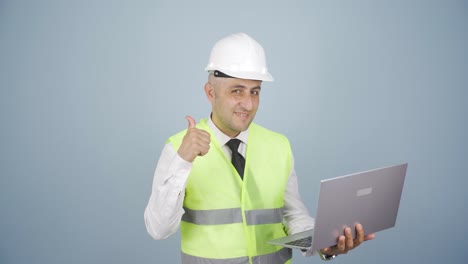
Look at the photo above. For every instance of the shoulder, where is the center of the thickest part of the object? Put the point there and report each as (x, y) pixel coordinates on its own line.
(176, 139)
(266, 134)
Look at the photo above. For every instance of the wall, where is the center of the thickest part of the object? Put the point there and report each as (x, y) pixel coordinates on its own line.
(90, 90)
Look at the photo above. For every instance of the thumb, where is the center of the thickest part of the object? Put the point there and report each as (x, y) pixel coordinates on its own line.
(191, 121)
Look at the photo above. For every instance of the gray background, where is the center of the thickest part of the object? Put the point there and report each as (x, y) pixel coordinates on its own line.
(90, 90)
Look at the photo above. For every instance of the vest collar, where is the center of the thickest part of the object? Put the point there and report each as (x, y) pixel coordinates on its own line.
(223, 138)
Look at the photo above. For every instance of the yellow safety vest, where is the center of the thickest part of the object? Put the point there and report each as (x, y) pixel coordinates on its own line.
(227, 219)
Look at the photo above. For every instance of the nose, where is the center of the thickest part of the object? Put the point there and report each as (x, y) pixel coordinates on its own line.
(247, 102)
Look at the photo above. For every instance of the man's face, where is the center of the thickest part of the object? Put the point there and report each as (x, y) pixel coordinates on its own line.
(234, 103)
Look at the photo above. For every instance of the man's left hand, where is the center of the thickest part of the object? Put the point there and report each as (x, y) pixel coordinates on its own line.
(346, 241)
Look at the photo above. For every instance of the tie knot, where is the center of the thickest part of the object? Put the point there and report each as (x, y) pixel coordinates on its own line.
(233, 144)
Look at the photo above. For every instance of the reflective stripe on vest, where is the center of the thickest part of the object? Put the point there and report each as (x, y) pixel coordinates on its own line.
(278, 257)
(232, 216)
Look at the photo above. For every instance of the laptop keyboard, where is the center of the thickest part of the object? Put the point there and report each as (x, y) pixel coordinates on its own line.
(303, 242)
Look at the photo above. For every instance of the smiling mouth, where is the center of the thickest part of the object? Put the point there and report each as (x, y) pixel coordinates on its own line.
(242, 115)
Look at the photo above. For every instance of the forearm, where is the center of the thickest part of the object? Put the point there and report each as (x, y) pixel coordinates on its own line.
(296, 216)
(165, 206)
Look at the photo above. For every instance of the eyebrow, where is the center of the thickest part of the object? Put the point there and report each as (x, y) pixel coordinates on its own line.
(244, 87)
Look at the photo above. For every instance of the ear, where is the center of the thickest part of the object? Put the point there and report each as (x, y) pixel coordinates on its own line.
(209, 91)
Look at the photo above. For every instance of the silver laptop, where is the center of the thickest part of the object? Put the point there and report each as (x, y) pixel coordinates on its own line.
(371, 198)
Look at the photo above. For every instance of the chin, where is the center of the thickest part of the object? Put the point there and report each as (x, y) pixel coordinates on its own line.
(244, 128)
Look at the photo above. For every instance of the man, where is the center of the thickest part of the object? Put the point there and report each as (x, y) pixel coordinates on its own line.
(228, 183)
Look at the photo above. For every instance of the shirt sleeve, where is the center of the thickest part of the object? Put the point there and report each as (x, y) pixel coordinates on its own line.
(165, 206)
(296, 216)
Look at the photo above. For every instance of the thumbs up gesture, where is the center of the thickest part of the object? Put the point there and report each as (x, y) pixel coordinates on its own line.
(196, 142)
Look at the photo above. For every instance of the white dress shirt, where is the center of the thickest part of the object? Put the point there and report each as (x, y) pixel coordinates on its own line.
(165, 207)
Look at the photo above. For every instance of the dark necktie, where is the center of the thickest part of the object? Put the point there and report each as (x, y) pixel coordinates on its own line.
(237, 159)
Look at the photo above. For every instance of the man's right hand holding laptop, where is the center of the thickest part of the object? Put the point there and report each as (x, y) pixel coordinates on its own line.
(346, 242)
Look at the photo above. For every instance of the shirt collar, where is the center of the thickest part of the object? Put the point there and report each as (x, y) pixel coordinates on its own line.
(223, 138)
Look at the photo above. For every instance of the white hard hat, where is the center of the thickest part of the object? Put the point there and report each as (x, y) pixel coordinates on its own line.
(240, 56)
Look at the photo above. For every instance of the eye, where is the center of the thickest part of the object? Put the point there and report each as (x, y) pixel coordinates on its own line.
(236, 91)
(255, 92)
